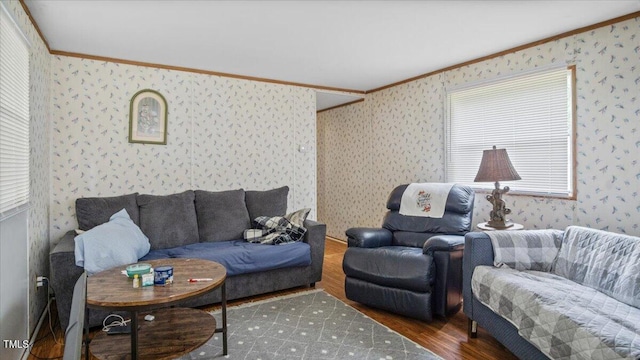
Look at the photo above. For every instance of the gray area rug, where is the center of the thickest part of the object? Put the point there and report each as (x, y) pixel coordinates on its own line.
(309, 325)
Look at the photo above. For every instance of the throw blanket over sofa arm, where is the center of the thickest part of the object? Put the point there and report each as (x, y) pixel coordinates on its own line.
(368, 237)
(446, 251)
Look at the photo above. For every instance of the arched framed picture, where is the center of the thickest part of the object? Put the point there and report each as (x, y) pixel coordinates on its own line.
(148, 118)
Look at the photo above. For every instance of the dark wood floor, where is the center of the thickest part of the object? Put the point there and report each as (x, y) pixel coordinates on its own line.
(445, 338)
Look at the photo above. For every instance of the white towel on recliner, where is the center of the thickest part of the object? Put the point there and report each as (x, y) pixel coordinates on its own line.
(425, 199)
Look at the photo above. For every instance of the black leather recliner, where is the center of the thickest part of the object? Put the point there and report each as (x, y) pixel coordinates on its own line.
(412, 265)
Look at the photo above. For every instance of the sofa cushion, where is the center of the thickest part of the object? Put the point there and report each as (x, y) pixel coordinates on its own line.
(93, 211)
(116, 242)
(222, 215)
(412, 239)
(605, 261)
(239, 256)
(267, 203)
(450, 223)
(169, 220)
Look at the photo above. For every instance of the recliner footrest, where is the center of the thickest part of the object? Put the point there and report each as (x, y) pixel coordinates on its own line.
(392, 266)
(404, 302)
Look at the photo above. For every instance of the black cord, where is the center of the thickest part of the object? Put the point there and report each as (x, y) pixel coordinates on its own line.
(47, 333)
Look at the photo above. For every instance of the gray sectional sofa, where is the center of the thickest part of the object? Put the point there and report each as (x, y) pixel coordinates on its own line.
(572, 294)
(199, 224)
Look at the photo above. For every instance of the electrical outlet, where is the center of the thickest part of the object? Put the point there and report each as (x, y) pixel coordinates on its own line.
(40, 280)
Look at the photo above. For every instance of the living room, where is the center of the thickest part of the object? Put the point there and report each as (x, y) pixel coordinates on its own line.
(225, 132)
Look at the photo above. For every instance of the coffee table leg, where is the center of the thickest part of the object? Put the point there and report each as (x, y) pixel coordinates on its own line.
(134, 335)
(224, 318)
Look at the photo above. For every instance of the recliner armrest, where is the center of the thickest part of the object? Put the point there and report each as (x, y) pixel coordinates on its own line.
(443, 243)
(368, 237)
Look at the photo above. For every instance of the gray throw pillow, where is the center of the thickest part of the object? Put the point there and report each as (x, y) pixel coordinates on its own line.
(267, 203)
(170, 220)
(222, 215)
(94, 211)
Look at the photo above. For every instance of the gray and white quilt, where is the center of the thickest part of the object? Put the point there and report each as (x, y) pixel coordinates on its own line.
(563, 319)
(526, 249)
(607, 262)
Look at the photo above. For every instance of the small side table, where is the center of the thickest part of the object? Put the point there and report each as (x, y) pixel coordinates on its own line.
(484, 226)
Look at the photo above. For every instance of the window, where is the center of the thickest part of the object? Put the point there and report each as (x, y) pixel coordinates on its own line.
(14, 117)
(530, 115)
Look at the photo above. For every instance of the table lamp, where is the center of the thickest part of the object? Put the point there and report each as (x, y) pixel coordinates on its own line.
(495, 167)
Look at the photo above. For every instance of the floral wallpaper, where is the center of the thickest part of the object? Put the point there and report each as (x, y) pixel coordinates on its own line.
(345, 168)
(223, 134)
(38, 249)
(608, 72)
(397, 136)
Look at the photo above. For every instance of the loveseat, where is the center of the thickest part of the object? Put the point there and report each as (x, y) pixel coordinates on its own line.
(199, 224)
(572, 294)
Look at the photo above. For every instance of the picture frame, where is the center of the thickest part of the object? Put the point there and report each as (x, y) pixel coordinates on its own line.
(148, 118)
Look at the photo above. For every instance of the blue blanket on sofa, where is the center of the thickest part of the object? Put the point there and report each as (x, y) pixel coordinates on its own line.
(239, 256)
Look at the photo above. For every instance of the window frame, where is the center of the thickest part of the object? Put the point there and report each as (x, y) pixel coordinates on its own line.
(482, 187)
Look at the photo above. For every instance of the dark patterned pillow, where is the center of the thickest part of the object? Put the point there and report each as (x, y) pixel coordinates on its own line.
(277, 230)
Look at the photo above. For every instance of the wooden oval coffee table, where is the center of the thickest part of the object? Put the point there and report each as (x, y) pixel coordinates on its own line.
(174, 331)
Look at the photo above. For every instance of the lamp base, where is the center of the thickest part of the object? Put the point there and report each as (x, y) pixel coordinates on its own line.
(500, 224)
(485, 226)
(498, 216)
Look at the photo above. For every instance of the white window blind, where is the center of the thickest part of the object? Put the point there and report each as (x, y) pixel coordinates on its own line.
(14, 116)
(529, 115)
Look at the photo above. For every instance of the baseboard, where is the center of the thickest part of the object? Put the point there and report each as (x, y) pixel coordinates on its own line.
(335, 239)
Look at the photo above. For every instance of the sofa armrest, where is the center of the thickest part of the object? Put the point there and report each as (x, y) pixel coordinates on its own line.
(315, 237)
(316, 232)
(477, 251)
(443, 243)
(368, 237)
(64, 274)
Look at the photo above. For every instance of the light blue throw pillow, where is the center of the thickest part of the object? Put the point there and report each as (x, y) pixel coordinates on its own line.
(114, 243)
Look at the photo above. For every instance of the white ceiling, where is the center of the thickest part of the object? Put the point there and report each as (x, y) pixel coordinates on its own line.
(352, 45)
